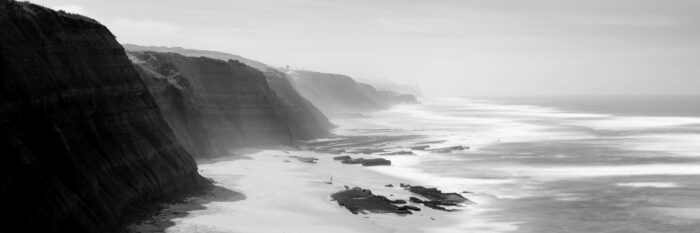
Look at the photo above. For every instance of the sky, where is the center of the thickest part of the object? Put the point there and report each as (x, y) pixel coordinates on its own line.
(446, 47)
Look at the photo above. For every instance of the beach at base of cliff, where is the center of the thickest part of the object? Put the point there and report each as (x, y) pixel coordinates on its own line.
(275, 191)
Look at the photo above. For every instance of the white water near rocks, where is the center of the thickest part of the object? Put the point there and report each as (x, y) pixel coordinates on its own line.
(529, 168)
(542, 169)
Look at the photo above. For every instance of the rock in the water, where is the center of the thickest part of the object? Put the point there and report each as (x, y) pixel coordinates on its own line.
(376, 162)
(415, 200)
(438, 205)
(342, 158)
(399, 153)
(448, 149)
(389, 185)
(353, 161)
(358, 200)
(367, 151)
(437, 195)
(408, 207)
(420, 147)
(306, 159)
(399, 201)
(437, 198)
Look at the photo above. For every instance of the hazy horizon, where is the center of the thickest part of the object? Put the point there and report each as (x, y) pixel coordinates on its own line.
(533, 47)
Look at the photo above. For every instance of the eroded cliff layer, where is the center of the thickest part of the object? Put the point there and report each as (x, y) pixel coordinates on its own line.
(81, 138)
(214, 105)
(277, 80)
(339, 94)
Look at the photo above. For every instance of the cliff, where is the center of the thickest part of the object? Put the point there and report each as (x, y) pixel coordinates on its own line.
(214, 105)
(198, 53)
(82, 140)
(387, 85)
(339, 94)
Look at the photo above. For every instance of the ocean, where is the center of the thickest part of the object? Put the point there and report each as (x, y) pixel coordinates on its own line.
(553, 164)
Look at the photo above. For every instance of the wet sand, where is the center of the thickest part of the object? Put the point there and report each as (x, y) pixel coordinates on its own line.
(271, 191)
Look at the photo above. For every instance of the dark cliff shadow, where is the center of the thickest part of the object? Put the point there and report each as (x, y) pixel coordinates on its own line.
(158, 218)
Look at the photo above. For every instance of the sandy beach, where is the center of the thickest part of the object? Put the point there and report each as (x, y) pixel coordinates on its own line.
(272, 191)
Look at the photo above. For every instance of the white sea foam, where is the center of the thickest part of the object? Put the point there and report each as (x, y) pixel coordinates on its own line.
(634, 122)
(680, 144)
(567, 172)
(481, 124)
(649, 184)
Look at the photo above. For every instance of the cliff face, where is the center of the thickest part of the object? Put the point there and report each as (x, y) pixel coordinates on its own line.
(81, 137)
(277, 80)
(198, 53)
(214, 105)
(337, 94)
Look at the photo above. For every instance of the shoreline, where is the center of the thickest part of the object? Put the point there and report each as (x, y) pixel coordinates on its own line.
(266, 186)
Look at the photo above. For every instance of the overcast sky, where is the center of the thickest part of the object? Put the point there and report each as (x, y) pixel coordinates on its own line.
(458, 47)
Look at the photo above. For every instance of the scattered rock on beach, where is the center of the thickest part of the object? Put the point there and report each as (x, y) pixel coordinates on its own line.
(415, 200)
(399, 153)
(437, 195)
(353, 161)
(420, 147)
(367, 151)
(399, 201)
(368, 162)
(342, 158)
(376, 162)
(306, 159)
(409, 207)
(436, 198)
(438, 205)
(357, 200)
(448, 149)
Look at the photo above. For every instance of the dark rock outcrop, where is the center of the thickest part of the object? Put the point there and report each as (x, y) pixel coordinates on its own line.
(376, 162)
(448, 149)
(399, 201)
(408, 207)
(338, 94)
(399, 153)
(214, 105)
(366, 151)
(423, 147)
(306, 159)
(353, 161)
(436, 198)
(357, 200)
(437, 195)
(81, 138)
(342, 158)
(438, 205)
(367, 162)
